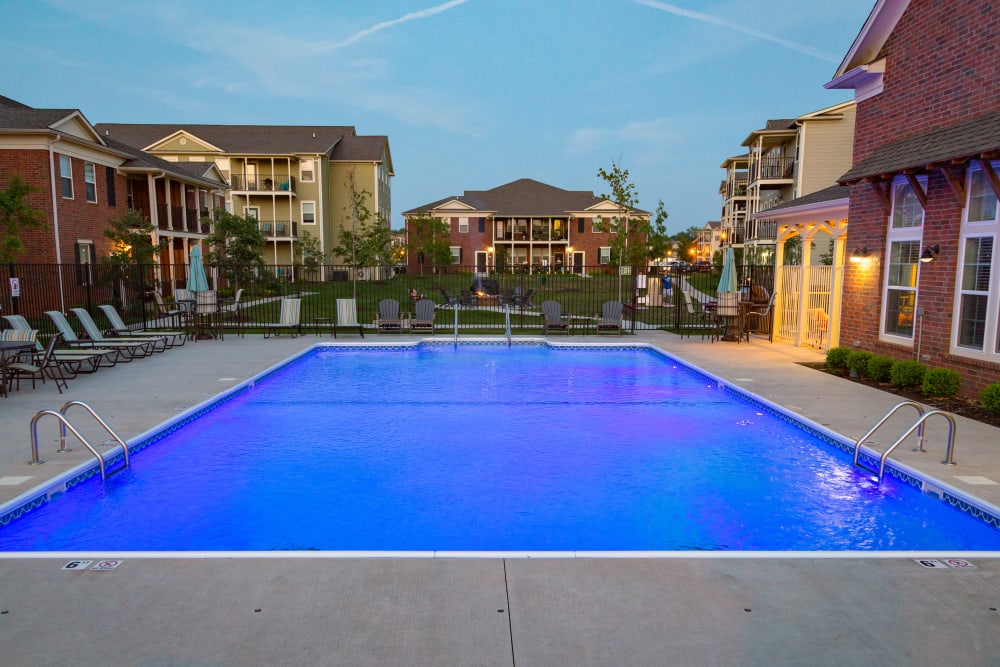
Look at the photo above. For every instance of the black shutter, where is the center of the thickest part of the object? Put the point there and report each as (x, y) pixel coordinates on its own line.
(482, 225)
(109, 176)
(579, 226)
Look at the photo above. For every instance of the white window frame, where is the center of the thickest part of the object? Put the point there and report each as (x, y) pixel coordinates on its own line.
(901, 230)
(66, 176)
(90, 181)
(977, 185)
(463, 225)
(604, 254)
(303, 210)
(456, 254)
(311, 171)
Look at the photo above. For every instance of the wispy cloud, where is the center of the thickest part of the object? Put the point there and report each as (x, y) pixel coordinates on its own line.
(652, 133)
(714, 20)
(412, 16)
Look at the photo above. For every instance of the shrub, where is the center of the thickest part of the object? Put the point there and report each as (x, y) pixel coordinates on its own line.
(836, 357)
(879, 367)
(907, 373)
(857, 361)
(990, 398)
(941, 382)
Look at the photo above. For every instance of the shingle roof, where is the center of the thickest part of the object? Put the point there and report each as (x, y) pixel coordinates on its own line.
(237, 139)
(832, 193)
(355, 148)
(15, 118)
(960, 141)
(780, 124)
(189, 171)
(525, 197)
(7, 103)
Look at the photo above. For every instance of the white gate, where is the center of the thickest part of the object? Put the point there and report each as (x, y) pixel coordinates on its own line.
(807, 310)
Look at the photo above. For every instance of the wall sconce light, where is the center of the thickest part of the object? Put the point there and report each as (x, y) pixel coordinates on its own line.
(929, 253)
(859, 254)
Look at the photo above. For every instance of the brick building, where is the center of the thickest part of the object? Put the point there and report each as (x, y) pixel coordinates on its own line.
(525, 223)
(924, 217)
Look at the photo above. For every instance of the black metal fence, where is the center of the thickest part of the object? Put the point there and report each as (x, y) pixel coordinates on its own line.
(654, 297)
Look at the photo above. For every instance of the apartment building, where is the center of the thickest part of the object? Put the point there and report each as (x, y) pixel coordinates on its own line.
(83, 179)
(924, 187)
(786, 159)
(526, 224)
(295, 180)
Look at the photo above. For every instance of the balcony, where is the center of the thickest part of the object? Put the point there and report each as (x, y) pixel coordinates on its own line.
(770, 168)
(281, 185)
(762, 230)
(279, 229)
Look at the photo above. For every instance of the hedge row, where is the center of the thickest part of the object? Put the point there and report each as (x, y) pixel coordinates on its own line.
(903, 373)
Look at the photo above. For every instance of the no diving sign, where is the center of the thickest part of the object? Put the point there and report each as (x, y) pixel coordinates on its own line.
(948, 563)
(105, 565)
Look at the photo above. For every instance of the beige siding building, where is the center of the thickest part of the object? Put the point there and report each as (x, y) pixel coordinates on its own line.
(296, 181)
(786, 159)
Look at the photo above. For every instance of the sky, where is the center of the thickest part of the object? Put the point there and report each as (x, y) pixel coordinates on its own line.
(472, 94)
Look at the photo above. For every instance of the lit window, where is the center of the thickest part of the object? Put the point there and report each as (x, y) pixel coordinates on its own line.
(901, 290)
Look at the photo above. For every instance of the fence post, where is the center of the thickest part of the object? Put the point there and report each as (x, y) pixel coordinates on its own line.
(13, 299)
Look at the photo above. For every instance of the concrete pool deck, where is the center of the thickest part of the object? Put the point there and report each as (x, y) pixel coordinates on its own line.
(300, 610)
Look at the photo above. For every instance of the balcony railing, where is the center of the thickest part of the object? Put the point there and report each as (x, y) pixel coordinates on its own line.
(279, 229)
(267, 184)
(762, 230)
(769, 168)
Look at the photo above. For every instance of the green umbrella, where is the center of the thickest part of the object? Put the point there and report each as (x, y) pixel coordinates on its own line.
(197, 280)
(727, 281)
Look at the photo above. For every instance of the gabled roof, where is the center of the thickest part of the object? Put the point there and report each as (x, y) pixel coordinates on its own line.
(8, 103)
(202, 173)
(970, 138)
(774, 127)
(236, 139)
(874, 33)
(523, 197)
(353, 148)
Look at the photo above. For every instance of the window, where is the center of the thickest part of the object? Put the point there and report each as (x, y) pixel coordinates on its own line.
(901, 290)
(904, 236)
(84, 259)
(975, 291)
(66, 176)
(456, 254)
(906, 209)
(90, 181)
(307, 173)
(604, 255)
(463, 225)
(482, 225)
(308, 213)
(579, 225)
(976, 317)
(109, 177)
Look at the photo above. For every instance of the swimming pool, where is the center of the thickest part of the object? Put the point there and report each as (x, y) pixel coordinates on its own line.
(533, 448)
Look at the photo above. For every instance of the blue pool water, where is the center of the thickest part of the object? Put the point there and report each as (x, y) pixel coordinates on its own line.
(490, 448)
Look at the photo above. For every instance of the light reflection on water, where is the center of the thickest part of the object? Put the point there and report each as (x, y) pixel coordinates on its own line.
(486, 447)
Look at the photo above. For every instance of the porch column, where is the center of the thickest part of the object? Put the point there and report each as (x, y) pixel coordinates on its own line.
(837, 288)
(803, 324)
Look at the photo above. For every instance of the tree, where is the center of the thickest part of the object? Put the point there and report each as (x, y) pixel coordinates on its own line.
(308, 253)
(428, 239)
(132, 235)
(628, 233)
(16, 214)
(657, 240)
(237, 244)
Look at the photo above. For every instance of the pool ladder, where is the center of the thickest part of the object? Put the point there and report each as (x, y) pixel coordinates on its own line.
(917, 426)
(64, 424)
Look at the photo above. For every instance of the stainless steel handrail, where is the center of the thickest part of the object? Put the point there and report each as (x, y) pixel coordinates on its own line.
(456, 325)
(506, 308)
(66, 406)
(65, 424)
(861, 440)
(949, 458)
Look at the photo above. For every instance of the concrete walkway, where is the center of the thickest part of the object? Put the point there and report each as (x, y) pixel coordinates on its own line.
(692, 609)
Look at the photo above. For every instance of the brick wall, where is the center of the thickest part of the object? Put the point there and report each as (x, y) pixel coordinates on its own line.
(78, 218)
(942, 67)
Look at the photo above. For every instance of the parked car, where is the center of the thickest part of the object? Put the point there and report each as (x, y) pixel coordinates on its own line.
(678, 266)
(702, 266)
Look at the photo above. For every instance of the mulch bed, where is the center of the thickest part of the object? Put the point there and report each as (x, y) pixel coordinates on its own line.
(966, 407)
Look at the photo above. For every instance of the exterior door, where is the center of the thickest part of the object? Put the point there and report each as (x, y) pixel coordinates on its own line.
(577, 262)
(481, 266)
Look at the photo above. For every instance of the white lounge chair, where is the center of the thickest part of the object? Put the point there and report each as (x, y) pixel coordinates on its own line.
(347, 317)
(288, 319)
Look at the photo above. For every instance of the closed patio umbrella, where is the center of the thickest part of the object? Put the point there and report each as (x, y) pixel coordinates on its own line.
(727, 281)
(197, 280)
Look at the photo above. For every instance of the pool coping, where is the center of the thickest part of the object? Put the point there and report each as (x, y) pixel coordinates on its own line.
(45, 492)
